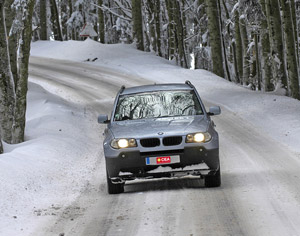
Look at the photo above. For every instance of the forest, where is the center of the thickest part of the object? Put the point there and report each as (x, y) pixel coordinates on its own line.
(253, 43)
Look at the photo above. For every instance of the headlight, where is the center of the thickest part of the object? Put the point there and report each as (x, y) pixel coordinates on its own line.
(123, 143)
(198, 138)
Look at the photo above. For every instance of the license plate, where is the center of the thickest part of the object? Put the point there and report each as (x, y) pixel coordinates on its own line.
(162, 160)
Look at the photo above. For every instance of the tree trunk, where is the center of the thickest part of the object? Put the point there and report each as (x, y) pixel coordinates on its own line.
(215, 37)
(275, 34)
(266, 52)
(171, 29)
(246, 56)
(1, 145)
(290, 44)
(101, 22)
(55, 21)
(294, 17)
(157, 26)
(180, 35)
(64, 20)
(13, 39)
(228, 76)
(22, 85)
(238, 48)
(257, 62)
(43, 20)
(7, 90)
(151, 25)
(70, 14)
(138, 24)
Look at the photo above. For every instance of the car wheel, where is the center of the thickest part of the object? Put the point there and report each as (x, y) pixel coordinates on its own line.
(114, 188)
(211, 181)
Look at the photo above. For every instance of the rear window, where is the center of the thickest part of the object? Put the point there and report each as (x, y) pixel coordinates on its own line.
(157, 104)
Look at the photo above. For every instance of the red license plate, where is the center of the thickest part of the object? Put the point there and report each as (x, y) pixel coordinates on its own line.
(163, 160)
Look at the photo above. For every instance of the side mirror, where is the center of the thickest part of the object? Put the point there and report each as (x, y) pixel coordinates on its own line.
(103, 119)
(216, 110)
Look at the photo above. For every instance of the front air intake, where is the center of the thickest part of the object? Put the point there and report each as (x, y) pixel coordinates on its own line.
(150, 142)
(172, 141)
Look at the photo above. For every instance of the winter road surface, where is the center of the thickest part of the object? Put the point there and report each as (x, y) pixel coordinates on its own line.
(260, 192)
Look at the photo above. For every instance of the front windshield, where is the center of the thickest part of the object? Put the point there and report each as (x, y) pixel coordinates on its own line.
(157, 104)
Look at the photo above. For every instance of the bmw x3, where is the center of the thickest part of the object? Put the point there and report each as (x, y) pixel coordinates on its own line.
(160, 131)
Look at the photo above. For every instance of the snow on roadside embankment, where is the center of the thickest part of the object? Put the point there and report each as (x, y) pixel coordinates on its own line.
(278, 116)
(50, 169)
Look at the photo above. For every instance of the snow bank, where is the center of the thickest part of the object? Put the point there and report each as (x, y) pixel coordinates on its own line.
(46, 169)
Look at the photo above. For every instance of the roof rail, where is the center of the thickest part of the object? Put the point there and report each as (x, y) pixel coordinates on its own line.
(189, 83)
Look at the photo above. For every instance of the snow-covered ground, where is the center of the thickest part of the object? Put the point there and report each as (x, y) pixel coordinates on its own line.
(63, 141)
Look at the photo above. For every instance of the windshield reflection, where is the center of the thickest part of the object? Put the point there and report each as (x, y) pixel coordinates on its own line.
(157, 104)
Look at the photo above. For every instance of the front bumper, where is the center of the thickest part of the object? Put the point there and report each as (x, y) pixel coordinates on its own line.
(195, 160)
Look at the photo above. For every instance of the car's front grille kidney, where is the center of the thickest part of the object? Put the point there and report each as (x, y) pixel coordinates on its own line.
(150, 142)
(172, 141)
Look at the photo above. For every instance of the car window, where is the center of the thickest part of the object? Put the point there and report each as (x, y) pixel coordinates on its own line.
(157, 104)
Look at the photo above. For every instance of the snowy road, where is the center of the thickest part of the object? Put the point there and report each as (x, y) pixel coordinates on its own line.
(260, 193)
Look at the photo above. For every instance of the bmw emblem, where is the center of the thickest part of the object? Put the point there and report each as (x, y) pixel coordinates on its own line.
(160, 133)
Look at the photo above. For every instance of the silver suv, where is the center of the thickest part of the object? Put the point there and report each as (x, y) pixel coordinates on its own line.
(160, 130)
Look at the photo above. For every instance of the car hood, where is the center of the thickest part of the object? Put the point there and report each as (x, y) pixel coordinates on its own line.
(160, 126)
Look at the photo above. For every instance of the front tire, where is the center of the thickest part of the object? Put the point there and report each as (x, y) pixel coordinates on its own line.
(212, 181)
(114, 188)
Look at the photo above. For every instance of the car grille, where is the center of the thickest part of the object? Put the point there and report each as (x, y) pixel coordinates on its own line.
(150, 142)
(171, 141)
